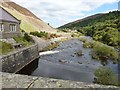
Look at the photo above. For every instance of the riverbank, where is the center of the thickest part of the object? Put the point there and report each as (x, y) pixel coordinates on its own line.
(42, 43)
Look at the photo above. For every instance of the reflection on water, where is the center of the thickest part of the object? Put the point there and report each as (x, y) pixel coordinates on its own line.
(63, 63)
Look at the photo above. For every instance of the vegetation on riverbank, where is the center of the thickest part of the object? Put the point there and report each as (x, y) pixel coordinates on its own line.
(100, 51)
(83, 39)
(51, 46)
(105, 76)
(44, 35)
(88, 44)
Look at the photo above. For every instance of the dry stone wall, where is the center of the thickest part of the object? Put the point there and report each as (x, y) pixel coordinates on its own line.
(16, 60)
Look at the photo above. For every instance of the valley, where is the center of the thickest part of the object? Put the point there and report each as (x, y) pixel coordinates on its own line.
(86, 50)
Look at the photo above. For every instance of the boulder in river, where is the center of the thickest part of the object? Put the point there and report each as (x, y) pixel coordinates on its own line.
(62, 61)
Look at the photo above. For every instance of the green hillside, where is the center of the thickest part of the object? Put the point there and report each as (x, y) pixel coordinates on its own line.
(82, 22)
(103, 27)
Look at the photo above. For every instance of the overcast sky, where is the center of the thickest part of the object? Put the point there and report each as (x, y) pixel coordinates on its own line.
(59, 12)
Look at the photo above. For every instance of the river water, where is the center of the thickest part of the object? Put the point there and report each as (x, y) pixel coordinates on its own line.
(63, 63)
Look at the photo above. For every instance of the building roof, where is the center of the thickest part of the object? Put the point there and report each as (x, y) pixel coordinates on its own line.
(6, 16)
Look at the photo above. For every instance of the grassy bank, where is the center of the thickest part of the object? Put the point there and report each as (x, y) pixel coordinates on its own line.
(24, 40)
(5, 48)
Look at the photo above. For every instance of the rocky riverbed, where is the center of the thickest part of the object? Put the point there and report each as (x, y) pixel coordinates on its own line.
(63, 63)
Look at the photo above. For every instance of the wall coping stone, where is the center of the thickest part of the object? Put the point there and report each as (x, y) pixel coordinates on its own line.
(10, 80)
(18, 50)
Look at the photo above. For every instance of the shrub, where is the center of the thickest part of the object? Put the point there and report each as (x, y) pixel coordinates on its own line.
(75, 35)
(5, 47)
(105, 76)
(39, 34)
(53, 36)
(88, 44)
(104, 52)
(27, 37)
(23, 40)
(83, 39)
(51, 47)
(65, 30)
(35, 33)
(44, 35)
(22, 31)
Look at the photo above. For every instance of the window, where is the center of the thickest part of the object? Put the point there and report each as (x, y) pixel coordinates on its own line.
(1, 27)
(12, 27)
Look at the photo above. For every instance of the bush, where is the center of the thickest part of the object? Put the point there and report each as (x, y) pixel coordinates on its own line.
(75, 35)
(5, 47)
(53, 36)
(104, 52)
(25, 41)
(105, 76)
(65, 30)
(39, 34)
(44, 35)
(88, 44)
(27, 37)
(51, 47)
(83, 39)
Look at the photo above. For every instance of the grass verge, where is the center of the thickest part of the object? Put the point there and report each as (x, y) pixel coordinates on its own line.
(5, 48)
(25, 40)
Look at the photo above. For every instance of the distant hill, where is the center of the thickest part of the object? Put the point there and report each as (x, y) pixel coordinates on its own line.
(102, 27)
(90, 20)
(80, 22)
(29, 21)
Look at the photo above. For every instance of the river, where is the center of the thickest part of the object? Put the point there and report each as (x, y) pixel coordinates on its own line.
(63, 63)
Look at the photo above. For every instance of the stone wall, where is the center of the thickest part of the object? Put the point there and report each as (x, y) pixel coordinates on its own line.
(15, 61)
(29, 82)
(7, 33)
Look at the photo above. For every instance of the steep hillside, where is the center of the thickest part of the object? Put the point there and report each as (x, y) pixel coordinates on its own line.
(90, 20)
(81, 22)
(102, 27)
(29, 22)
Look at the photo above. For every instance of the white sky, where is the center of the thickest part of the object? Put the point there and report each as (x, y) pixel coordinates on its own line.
(58, 12)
